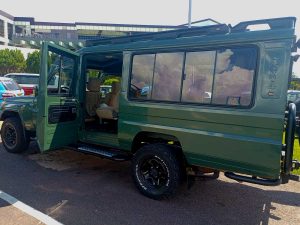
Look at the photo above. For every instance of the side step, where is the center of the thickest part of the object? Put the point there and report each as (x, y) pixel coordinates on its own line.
(104, 152)
(253, 180)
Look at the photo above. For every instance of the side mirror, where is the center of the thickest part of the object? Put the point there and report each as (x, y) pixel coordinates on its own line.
(296, 46)
(296, 57)
(35, 91)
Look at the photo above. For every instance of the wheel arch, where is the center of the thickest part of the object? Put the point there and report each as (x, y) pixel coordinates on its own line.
(8, 113)
(145, 137)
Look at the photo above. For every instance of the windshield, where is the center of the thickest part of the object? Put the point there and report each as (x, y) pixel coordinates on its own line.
(10, 85)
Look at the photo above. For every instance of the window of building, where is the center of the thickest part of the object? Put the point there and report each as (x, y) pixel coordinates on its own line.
(218, 77)
(10, 31)
(1, 28)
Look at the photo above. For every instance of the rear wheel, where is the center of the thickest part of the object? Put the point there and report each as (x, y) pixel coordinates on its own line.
(14, 138)
(156, 171)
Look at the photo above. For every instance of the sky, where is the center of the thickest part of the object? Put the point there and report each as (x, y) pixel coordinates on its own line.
(163, 12)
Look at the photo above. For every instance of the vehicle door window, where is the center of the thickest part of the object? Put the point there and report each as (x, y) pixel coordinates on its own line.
(61, 72)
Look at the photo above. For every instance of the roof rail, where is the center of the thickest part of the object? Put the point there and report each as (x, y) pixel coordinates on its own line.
(277, 23)
(177, 33)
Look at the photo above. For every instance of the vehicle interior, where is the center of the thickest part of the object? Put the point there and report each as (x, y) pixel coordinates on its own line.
(103, 84)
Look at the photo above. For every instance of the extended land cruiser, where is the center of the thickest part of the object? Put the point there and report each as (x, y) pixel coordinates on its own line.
(189, 102)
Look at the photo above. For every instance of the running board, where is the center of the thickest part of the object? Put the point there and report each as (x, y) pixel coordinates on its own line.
(253, 179)
(104, 152)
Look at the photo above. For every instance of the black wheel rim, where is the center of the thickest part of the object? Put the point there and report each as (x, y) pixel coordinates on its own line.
(10, 136)
(154, 172)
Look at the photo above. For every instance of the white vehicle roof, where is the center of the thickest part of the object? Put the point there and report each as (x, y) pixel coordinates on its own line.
(22, 74)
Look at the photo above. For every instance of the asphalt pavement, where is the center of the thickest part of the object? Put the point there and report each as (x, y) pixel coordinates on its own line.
(74, 188)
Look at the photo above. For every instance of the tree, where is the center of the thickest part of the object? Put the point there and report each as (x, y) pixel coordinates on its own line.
(33, 62)
(109, 81)
(11, 61)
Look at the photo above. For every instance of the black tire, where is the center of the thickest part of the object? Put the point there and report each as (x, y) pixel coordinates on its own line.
(13, 135)
(156, 171)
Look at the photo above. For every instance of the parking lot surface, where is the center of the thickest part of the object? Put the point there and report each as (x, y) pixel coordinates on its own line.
(75, 188)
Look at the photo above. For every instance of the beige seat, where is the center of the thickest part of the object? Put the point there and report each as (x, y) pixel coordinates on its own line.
(110, 109)
(93, 97)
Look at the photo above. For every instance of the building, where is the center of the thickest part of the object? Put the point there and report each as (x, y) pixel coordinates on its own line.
(6, 28)
(26, 32)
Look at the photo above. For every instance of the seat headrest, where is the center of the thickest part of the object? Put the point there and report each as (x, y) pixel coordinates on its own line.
(115, 87)
(94, 84)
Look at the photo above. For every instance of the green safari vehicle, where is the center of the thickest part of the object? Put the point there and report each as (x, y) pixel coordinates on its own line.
(187, 102)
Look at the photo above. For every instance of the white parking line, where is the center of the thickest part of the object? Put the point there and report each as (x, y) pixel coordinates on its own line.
(28, 210)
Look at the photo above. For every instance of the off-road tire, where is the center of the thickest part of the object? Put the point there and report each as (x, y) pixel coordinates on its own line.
(21, 138)
(164, 156)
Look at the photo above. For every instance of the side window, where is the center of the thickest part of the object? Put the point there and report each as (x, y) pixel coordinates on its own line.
(142, 75)
(198, 77)
(218, 77)
(235, 69)
(61, 72)
(167, 76)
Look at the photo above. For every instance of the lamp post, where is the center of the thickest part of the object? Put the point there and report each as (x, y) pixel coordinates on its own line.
(190, 13)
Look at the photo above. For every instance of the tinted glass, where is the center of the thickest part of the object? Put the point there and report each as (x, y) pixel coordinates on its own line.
(199, 72)
(234, 76)
(142, 75)
(167, 76)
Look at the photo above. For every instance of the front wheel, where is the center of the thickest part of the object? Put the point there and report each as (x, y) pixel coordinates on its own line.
(13, 135)
(156, 171)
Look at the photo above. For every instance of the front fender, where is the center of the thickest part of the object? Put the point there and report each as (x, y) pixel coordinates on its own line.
(23, 112)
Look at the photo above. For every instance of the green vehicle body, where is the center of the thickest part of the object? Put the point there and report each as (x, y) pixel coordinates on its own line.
(245, 140)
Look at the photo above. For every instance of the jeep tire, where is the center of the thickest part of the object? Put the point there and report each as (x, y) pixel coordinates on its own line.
(13, 135)
(156, 171)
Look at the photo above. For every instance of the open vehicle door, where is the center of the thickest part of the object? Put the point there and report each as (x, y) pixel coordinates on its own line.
(57, 99)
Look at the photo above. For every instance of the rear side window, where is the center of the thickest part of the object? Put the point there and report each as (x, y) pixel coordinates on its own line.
(218, 77)
(10, 85)
(234, 76)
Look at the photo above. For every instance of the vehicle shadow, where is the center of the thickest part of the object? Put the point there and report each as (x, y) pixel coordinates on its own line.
(95, 189)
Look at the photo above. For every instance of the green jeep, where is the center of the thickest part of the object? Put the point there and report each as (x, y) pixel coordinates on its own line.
(190, 102)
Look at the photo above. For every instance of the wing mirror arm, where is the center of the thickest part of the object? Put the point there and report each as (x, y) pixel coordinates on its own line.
(296, 46)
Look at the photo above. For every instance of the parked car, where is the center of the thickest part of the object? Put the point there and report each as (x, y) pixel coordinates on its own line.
(27, 81)
(9, 88)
